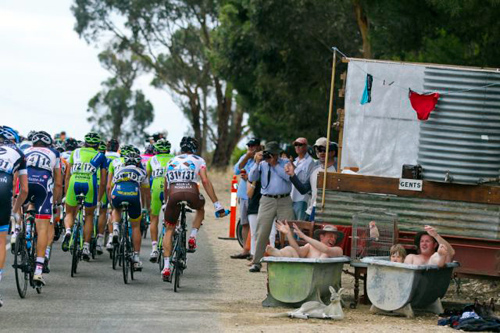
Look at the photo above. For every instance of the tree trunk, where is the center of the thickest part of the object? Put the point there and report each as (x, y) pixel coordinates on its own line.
(195, 120)
(364, 28)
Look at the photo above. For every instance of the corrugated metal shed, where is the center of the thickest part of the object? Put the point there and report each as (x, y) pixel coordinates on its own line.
(461, 139)
(454, 218)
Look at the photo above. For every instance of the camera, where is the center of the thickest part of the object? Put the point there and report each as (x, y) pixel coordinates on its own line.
(266, 155)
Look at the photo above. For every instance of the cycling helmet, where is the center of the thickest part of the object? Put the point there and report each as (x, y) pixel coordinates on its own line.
(59, 146)
(132, 158)
(80, 143)
(92, 139)
(113, 145)
(149, 150)
(102, 146)
(189, 145)
(125, 150)
(136, 150)
(9, 133)
(42, 137)
(162, 146)
(71, 144)
(30, 135)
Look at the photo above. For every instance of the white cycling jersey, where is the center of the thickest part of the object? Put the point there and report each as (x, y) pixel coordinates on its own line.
(185, 168)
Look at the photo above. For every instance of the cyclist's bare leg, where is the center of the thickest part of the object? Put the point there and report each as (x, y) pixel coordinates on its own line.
(167, 239)
(42, 228)
(136, 234)
(3, 241)
(154, 227)
(89, 224)
(103, 213)
(198, 218)
(70, 216)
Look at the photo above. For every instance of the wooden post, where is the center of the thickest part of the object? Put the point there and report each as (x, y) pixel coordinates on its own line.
(329, 125)
(340, 112)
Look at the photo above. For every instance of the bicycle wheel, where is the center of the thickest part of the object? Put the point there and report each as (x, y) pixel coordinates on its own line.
(114, 256)
(125, 258)
(239, 232)
(75, 251)
(21, 265)
(177, 271)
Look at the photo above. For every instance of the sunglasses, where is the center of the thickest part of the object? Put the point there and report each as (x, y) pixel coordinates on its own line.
(299, 144)
(321, 149)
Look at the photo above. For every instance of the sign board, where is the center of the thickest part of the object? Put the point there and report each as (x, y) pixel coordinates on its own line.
(410, 184)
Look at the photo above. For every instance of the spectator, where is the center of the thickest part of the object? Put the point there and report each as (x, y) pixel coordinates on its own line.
(303, 165)
(398, 253)
(275, 201)
(323, 246)
(432, 249)
(319, 166)
(242, 168)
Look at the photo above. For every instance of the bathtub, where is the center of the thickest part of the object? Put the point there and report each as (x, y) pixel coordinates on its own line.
(400, 288)
(293, 281)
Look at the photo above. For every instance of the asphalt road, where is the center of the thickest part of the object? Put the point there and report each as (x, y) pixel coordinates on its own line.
(98, 300)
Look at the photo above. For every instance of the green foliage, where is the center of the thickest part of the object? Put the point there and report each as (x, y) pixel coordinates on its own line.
(117, 111)
(236, 154)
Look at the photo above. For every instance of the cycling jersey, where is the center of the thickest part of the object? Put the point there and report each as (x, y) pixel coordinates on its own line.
(41, 163)
(145, 159)
(183, 175)
(110, 157)
(157, 167)
(12, 160)
(126, 187)
(85, 164)
(185, 168)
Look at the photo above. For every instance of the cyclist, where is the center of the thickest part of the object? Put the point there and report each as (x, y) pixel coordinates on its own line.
(12, 161)
(111, 153)
(156, 168)
(127, 185)
(183, 172)
(45, 188)
(70, 145)
(84, 163)
(115, 165)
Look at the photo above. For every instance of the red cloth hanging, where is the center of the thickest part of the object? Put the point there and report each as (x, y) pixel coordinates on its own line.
(423, 104)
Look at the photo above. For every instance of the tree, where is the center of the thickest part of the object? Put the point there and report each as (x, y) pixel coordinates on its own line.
(173, 37)
(117, 110)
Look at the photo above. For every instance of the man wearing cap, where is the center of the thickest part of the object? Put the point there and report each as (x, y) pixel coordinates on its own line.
(323, 245)
(303, 167)
(432, 249)
(275, 200)
(311, 184)
(242, 168)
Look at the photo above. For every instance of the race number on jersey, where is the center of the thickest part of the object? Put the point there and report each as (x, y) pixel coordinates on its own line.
(185, 168)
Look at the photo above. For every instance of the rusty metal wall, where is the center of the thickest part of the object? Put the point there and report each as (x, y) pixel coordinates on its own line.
(460, 142)
(461, 219)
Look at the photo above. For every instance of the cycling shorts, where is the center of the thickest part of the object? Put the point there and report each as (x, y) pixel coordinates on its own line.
(81, 183)
(40, 185)
(5, 201)
(104, 200)
(178, 192)
(157, 194)
(127, 191)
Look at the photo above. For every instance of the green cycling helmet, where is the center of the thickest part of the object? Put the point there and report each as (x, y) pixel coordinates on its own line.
(162, 146)
(102, 146)
(92, 139)
(125, 150)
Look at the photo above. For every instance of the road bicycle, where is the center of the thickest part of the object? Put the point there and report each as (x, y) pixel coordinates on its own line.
(178, 259)
(126, 253)
(25, 254)
(76, 240)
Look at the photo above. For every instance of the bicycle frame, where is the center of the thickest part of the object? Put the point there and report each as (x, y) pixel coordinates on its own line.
(126, 252)
(76, 240)
(178, 258)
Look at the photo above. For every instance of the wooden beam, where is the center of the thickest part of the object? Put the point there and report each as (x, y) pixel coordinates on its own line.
(430, 190)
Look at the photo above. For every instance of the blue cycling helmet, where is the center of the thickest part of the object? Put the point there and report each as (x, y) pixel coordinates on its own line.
(10, 134)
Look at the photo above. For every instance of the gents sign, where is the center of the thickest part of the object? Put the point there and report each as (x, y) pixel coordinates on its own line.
(410, 184)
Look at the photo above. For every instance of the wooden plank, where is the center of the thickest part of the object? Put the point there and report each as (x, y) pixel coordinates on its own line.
(431, 190)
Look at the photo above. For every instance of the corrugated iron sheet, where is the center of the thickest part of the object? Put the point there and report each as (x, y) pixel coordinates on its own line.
(460, 142)
(449, 217)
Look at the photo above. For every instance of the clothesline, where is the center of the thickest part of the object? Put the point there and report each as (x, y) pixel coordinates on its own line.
(393, 83)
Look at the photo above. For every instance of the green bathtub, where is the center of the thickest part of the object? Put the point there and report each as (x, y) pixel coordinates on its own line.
(293, 281)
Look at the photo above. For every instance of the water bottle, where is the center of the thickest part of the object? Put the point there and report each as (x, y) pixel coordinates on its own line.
(28, 233)
(218, 215)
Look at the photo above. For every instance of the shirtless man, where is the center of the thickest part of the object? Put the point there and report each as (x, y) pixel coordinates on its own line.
(325, 247)
(428, 242)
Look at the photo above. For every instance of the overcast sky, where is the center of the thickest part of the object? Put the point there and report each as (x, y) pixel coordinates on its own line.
(48, 74)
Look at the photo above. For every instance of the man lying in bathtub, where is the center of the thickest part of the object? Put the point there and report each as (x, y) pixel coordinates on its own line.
(324, 246)
(428, 242)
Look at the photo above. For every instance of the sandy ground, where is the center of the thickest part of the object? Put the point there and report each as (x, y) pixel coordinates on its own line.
(239, 303)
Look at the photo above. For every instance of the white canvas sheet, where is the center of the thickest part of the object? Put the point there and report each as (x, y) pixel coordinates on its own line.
(380, 136)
